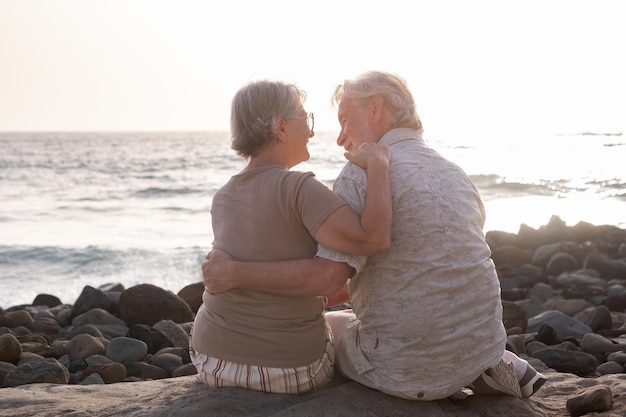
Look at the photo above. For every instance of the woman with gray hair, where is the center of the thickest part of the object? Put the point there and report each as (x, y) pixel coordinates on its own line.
(273, 342)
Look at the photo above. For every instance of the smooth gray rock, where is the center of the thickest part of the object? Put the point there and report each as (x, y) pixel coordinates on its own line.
(595, 399)
(595, 343)
(186, 397)
(47, 370)
(125, 350)
(571, 361)
(174, 332)
(564, 325)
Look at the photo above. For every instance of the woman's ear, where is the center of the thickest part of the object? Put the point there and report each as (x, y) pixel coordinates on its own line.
(281, 129)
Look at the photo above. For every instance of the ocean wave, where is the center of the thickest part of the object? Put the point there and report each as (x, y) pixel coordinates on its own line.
(82, 257)
(496, 185)
(152, 192)
(613, 183)
(30, 270)
(71, 257)
(599, 134)
(91, 209)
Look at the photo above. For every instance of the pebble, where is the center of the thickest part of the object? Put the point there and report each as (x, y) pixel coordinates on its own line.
(84, 345)
(153, 338)
(28, 357)
(40, 371)
(109, 372)
(20, 318)
(192, 294)
(146, 371)
(174, 332)
(89, 299)
(596, 399)
(6, 368)
(85, 329)
(46, 300)
(148, 304)
(10, 348)
(168, 361)
(126, 350)
(606, 266)
(609, 368)
(595, 343)
(569, 307)
(97, 360)
(597, 318)
(570, 361)
(564, 325)
(619, 357)
(46, 325)
(92, 379)
(185, 370)
(561, 262)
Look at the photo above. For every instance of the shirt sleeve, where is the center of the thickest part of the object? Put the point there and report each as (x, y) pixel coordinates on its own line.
(351, 185)
(315, 201)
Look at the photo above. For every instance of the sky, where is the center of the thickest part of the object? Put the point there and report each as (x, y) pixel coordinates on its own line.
(474, 67)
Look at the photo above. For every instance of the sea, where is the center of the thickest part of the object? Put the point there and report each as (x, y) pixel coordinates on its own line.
(97, 208)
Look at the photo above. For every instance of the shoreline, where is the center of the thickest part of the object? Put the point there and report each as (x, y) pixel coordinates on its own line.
(76, 283)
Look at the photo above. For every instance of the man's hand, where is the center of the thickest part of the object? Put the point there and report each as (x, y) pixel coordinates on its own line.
(215, 272)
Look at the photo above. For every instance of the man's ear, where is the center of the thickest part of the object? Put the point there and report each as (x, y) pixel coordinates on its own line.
(376, 106)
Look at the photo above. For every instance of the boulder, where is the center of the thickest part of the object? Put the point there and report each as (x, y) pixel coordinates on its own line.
(40, 371)
(192, 294)
(148, 304)
(187, 397)
(10, 348)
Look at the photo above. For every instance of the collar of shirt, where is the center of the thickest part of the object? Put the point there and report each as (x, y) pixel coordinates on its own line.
(398, 135)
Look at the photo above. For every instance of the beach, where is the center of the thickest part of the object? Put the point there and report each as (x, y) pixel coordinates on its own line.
(116, 349)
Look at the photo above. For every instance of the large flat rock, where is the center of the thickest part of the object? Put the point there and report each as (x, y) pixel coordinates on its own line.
(186, 397)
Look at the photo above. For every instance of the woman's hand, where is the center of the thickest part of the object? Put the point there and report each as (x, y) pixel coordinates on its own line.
(369, 153)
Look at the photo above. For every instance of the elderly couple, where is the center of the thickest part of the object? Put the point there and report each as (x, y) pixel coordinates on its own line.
(400, 237)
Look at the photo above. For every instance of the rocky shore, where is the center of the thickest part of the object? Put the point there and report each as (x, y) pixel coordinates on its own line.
(118, 351)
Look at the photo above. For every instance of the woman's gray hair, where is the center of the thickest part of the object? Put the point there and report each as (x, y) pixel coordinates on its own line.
(392, 88)
(255, 110)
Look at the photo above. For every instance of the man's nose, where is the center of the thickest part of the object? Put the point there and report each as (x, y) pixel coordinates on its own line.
(341, 139)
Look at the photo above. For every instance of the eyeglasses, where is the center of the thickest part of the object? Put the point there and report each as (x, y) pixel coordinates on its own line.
(310, 120)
